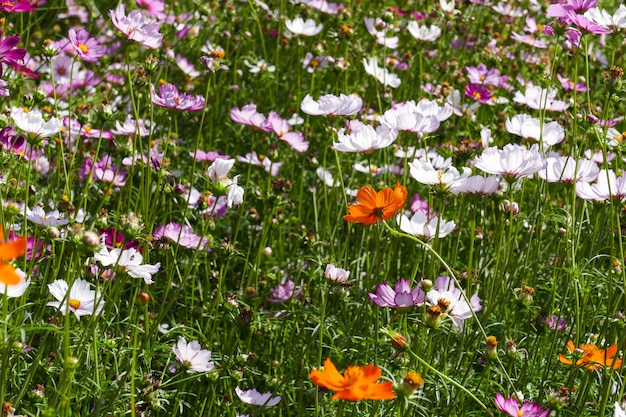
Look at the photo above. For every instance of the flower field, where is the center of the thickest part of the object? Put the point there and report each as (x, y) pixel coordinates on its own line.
(307, 208)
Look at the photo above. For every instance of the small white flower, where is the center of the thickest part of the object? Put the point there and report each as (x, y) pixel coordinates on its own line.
(40, 217)
(326, 177)
(364, 138)
(129, 260)
(421, 226)
(254, 397)
(424, 33)
(81, 299)
(234, 197)
(218, 171)
(335, 274)
(193, 356)
(259, 66)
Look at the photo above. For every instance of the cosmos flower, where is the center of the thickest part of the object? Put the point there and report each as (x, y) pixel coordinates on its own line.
(592, 358)
(423, 33)
(86, 48)
(17, 6)
(9, 251)
(528, 127)
(137, 27)
(375, 206)
(80, 299)
(513, 161)
(606, 187)
(128, 260)
(261, 65)
(477, 185)
(192, 356)
(299, 26)
(450, 302)
(335, 274)
(511, 407)
(182, 235)
(357, 383)
(13, 290)
(170, 98)
(402, 297)
(248, 115)
(39, 216)
(383, 76)
(9, 54)
(254, 397)
(364, 138)
(566, 169)
(538, 98)
(424, 225)
(331, 105)
(33, 123)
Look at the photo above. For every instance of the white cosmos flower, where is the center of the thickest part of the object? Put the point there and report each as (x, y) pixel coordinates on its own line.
(513, 160)
(299, 26)
(538, 98)
(604, 19)
(129, 260)
(193, 356)
(327, 177)
(33, 123)
(529, 127)
(18, 289)
(424, 173)
(607, 186)
(364, 138)
(39, 216)
(424, 33)
(385, 77)
(568, 170)
(234, 196)
(331, 105)
(218, 171)
(476, 185)
(261, 65)
(81, 299)
(422, 226)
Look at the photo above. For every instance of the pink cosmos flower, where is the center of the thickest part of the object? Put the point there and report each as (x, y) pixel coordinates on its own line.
(170, 98)
(182, 235)
(511, 407)
(88, 49)
(9, 54)
(20, 6)
(200, 155)
(137, 27)
(153, 7)
(586, 25)
(402, 297)
(538, 98)
(478, 92)
(284, 292)
(482, 75)
(281, 127)
(263, 161)
(338, 275)
(250, 117)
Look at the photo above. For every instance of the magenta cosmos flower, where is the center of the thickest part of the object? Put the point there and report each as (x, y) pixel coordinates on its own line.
(9, 54)
(170, 98)
(21, 6)
(403, 297)
(511, 407)
(88, 49)
(137, 27)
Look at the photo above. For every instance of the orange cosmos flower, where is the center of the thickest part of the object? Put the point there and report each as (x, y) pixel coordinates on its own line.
(376, 206)
(9, 251)
(592, 357)
(356, 383)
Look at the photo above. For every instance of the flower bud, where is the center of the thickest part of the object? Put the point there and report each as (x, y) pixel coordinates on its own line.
(433, 317)
(91, 240)
(511, 348)
(426, 285)
(53, 232)
(411, 382)
(491, 352)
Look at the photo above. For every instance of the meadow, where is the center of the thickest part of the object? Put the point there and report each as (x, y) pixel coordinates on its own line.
(307, 208)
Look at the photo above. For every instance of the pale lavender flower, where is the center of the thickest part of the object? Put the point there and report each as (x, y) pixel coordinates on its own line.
(192, 356)
(284, 292)
(528, 127)
(538, 98)
(170, 98)
(182, 235)
(270, 167)
(477, 185)
(254, 397)
(335, 274)
(606, 188)
(86, 48)
(137, 27)
(130, 127)
(402, 297)
(39, 216)
(249, 116)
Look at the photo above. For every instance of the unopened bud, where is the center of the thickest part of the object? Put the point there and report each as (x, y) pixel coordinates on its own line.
(491, 352)
(412, 381)
(91, 239)
(511, 348)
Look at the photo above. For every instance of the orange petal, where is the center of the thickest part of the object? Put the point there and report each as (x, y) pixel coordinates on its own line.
(382, 391)
(564, 360)
(328, 378)
(8, 276)
(367, 196)
(13, 249)
(570, 346)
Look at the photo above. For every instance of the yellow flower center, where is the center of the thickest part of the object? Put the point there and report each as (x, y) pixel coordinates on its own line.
(520, 413)
(83, 47)
(477, 95)
(74, 303)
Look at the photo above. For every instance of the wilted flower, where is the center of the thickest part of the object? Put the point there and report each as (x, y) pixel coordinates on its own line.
(357, 383)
